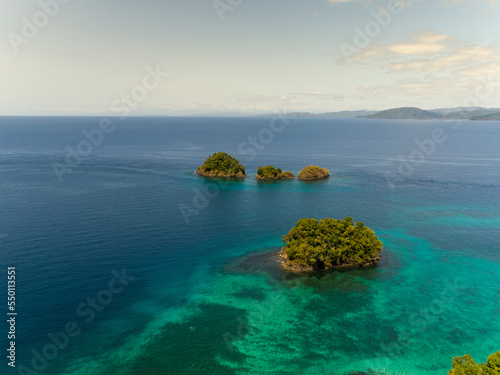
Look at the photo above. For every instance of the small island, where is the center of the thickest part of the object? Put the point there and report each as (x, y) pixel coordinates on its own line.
(329, 243)
(221, 164)
(313, 172)
(270, 173)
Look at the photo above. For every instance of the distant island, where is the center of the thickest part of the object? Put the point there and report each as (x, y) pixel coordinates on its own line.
(221, 164)
(329, 243)
(489, 117)
(465, 365)
(405, 113)
(410, 113)
(420, 114)
(313, 172)
(470, 115)
(270, 173)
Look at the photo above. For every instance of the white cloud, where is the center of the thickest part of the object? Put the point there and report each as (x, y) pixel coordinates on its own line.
(421, 43)
(489, 69)
(320, 95)
(430, 52)
(432, 67)
(447, 91)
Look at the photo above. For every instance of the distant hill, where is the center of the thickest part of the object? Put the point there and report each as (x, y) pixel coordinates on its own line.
(489, 117)
(411, 113)
(447, 111)
(405, 113)
(467, 115)
(460, 113)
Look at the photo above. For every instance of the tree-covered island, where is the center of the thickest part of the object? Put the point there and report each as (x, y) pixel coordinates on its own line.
(221, 164)
(313, 172)
(270, 173)
(329, 243)
(465, 365)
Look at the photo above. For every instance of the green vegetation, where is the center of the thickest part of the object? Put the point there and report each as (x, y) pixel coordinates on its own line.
(221, 164)
(329, 243)
(271, 173)
(465, 365)
(313, 173)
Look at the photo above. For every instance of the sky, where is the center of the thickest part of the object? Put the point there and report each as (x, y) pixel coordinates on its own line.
(250, 56)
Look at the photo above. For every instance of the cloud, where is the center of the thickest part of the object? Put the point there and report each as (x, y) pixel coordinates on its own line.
(420, 43)
(320, 95)
(428, 66)
(424, 43)
(447, 91)
(489, 69)
(427, 51)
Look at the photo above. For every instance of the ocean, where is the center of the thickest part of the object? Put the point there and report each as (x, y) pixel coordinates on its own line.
(127, 262)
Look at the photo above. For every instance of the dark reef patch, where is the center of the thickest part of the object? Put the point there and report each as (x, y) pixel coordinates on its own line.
(195, 344)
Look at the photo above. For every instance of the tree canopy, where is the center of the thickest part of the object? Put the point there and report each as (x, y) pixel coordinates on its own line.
(313, 172)
(465, 365)
(221, 164)
(329, 243)
(270, 173)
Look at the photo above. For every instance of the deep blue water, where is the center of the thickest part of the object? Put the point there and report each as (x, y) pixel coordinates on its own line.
(206, 297)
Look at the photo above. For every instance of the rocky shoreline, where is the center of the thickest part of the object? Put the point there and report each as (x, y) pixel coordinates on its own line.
(213, 174)
(282, 259)
(282, 176)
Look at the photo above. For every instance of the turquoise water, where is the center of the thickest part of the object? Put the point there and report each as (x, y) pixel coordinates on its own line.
(207, 298)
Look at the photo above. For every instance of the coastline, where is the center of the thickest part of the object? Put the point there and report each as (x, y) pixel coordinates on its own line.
(219, 175)
(259, 178)
(287, 265)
